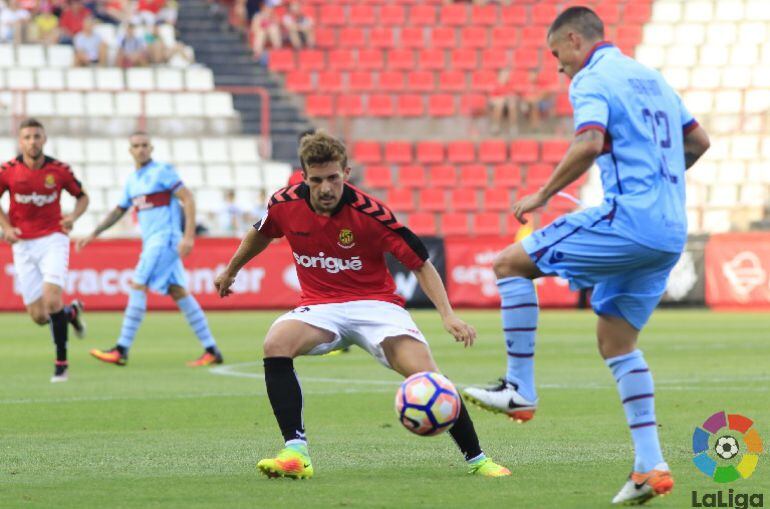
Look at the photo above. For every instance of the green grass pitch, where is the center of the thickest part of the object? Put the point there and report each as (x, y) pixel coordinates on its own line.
(159, 434)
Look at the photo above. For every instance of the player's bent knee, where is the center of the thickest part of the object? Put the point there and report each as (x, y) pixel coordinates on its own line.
(39, 317)
(407, 355)
(514, 261)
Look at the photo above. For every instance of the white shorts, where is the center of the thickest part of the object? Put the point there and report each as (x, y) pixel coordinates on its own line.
(366, 323)
(38, 261)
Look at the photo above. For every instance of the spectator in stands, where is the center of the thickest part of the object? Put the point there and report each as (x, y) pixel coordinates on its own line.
(231, 217)
(44, 28)
(298, 26)
(538, 102)
(149, 12)
(264, 29)
(245, 10)
(114, 12)
(503, 103)
(132, 49)
(90, 49)
(71, 19)
(13, 22)
(177, 54)
(260, 208)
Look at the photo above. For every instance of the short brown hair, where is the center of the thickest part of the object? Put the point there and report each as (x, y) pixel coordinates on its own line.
(30, 122)
(321, 148)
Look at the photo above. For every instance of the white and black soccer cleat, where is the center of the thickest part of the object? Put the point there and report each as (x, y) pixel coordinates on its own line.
(503, 398)
(642, 486)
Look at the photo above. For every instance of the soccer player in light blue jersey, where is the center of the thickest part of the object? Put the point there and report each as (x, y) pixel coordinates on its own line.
(156, 191)
(630, 121)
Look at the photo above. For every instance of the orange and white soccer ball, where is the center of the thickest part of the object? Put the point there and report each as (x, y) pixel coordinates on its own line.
(427, 403)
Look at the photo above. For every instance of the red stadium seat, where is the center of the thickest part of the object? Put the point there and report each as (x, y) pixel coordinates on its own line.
(441, 105)
(452, 81)
(563, 106)
(443, 175)
(411, 175)
(370, 59)
(493, 151)
(282, 60)
(432, 59)
(432, 199)
(361, 14)
(474, 175)
(526, 58)
(464, 59)
(506, 175)
(629, 35)
(367, 152)
(486, 223)
(474, 37)
(495, 59)
(392, 15)
(554, 150)
(609, 13)
(319, 105)
(497, 199)
(325, 38)
(412, 37)
(430, 152)
(299, 81)
(331, 14)
(454, 223)
(350, 106)
(464, 199)
(515, 15)
(421, 81)
(560, 204)
(512, 225)
(341, 60)
(422, 223)
(484, 81)
(398, 152)
(484, 15)
(538, 174)
(443, 37)
(534, 36)
(410, 105)
(391, 81)
(377, 177)
(401, 59)
(329, 81)
(461, 152)
(473, 104)
(400, 200)
(422, 14)
(525, 151)
(544, 14)
(636, 13)
(361, 81)
(381, 38)
(454, 15)
(352, 37)
(505, 37)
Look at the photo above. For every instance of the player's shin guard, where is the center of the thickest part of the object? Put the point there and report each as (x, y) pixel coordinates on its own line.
(520, 312)
(59, 322)
(637, 393)
(285, 396)
(132, 319)
(197, 321)
(464, 434)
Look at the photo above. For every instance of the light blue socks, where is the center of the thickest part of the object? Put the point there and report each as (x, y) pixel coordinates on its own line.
(197, 320)
(132, 318)
(520, 312)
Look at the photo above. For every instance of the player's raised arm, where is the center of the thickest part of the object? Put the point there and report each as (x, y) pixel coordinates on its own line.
(696, 143)
(112, 218)
(252, 244)
(188, 207)
(431, 284)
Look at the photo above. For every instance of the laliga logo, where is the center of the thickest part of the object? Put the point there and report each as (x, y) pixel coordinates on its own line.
(328, 263)
(727, 448)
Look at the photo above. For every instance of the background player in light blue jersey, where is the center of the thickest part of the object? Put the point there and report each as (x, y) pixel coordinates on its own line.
(156, 191)
(630, 121)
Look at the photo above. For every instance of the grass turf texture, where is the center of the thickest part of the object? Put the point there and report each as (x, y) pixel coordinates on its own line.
(159, 434)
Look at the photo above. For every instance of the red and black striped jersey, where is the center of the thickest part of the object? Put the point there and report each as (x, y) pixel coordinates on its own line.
(35, 194)
(341, 258)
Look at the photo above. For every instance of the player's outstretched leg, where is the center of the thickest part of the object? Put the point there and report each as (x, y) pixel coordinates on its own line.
(515, 396)
(285, 395)
(650, 476)
(195, 317)
(407, 356)
(132, 319)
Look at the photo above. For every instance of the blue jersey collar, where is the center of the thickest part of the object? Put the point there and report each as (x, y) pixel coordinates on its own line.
(595, 49)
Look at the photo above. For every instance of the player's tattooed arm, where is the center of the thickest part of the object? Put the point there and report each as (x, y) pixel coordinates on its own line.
(112, 218)
(696, 143)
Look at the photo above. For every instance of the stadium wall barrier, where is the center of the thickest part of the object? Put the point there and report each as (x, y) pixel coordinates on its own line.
(687, 282)
(737, 270)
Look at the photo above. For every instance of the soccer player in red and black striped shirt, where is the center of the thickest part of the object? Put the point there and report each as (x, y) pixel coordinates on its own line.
(339, 237)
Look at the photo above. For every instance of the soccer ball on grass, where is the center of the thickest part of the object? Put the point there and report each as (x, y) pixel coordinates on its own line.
(427, 403)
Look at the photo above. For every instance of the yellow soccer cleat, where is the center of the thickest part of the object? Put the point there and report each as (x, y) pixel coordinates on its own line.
(488, 468)
(289, 463)
(112, 356)
(207, 359)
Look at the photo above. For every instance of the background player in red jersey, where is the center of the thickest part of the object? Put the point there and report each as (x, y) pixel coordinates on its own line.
(38, 232)
(339, 237)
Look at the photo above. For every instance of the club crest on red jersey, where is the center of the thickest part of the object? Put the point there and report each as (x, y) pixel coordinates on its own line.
(346, 239)
(50, 181)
